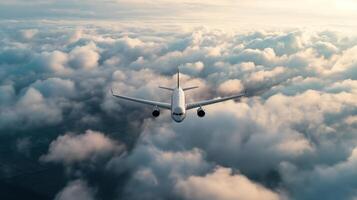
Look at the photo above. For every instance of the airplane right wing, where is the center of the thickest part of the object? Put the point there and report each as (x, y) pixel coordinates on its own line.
(212, 101)
(143, 101)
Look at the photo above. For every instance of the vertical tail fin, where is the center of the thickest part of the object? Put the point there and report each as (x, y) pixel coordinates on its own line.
(178, 77)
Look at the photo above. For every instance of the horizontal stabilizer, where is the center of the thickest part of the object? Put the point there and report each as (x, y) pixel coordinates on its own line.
(166, 88)
(189, 88)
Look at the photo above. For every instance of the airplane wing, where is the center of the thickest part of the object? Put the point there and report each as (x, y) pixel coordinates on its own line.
(212, 101)
(143, 101)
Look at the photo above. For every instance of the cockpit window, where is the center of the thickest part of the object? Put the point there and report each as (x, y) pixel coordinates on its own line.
(178, 114)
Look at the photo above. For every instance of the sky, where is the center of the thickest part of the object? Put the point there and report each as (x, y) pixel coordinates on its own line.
(63, 136)
(229, 12)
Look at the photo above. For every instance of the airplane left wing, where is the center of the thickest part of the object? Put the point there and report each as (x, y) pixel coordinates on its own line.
(212, 101)
(143, 101)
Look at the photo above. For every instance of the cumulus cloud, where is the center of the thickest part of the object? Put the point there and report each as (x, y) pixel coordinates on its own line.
(335, 180)
(192, 68)
(231, 87)
(75, 148)
(156, 171)
(85, 57)
(55, 61)
(222, 184)
(53, 87)
(42, 103)
(32, 109)
(78, 190)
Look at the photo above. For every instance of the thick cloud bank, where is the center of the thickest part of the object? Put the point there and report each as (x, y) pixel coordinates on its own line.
(293, 137)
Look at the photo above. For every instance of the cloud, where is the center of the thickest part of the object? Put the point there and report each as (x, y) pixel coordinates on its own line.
(55, 87)
(299, 117)
(32, 108)
(28, 34)
(192, 68)
(156, 171)
(76, 148)
(53, 62)
(225, 13)
(222, 184)
(334, 181)
(78, 190)
(231, 87)
(84, 57)
(7, 94)
(262, 75)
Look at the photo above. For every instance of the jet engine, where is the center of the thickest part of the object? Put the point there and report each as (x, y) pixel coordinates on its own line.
(201, 112)
(156, 112)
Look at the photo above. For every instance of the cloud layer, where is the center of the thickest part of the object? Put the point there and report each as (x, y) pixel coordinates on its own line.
(295, 131)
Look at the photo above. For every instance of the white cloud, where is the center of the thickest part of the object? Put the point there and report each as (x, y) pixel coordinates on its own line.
(55, 61)
(192, 68)
(85, 57)
(231, 87)
(76, 190)
(32, 107)
(264, 75)
(55, 87)
(223, 184)
(346, 61)
(75, 148)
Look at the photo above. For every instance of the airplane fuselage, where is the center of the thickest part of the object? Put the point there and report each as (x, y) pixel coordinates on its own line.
(178, 105)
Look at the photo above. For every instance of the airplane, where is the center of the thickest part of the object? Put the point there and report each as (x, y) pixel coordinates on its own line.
(178, 105)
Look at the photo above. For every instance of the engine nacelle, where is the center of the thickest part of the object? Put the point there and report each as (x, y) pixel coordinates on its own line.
(201, 112)
(156, 112)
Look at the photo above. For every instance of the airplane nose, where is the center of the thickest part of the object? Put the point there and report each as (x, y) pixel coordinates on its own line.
(178, 118)
(178, 114)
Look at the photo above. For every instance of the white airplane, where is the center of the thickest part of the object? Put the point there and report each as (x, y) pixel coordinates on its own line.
(178, 105)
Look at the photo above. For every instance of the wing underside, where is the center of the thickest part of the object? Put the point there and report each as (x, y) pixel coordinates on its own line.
(212, 101)
(144, 101)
